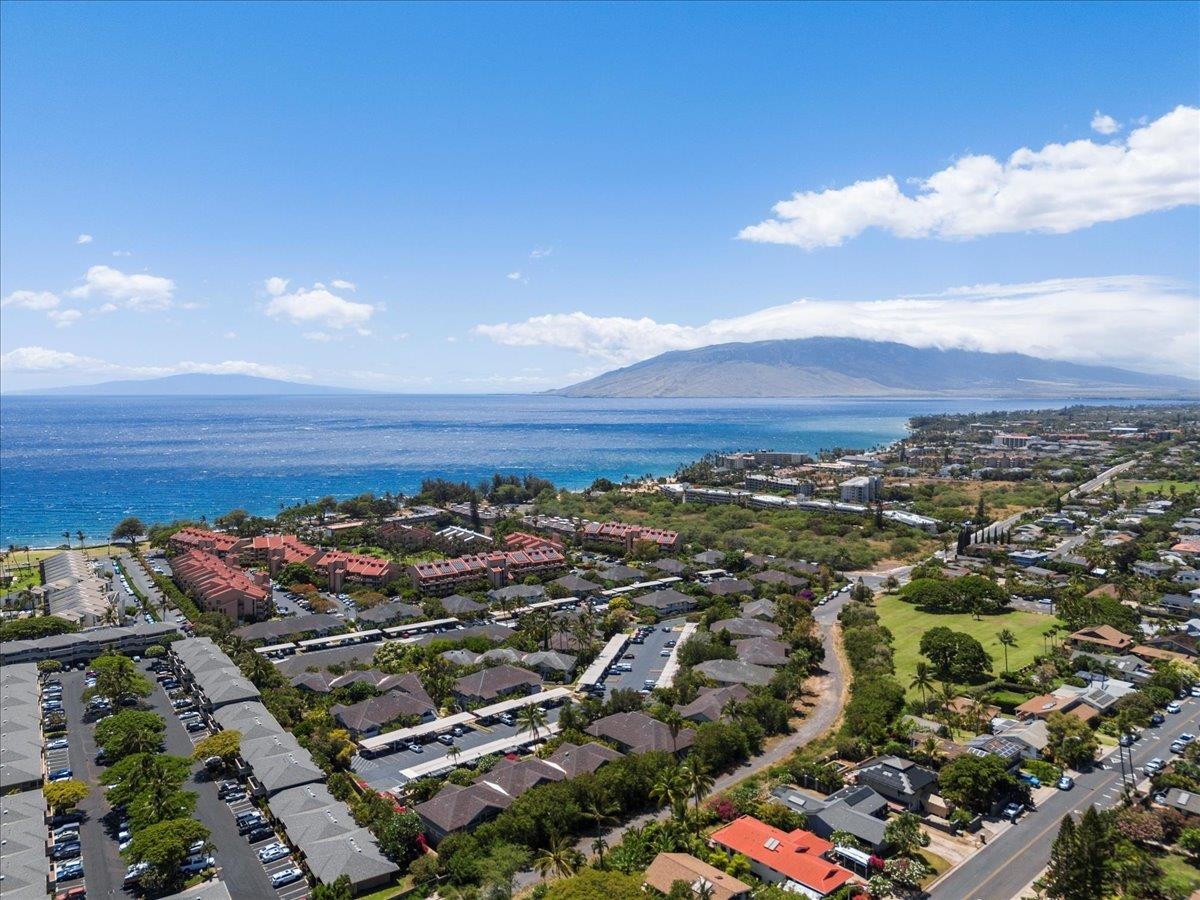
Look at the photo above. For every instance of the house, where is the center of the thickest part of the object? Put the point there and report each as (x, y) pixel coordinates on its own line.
(516, 776)
(728, 587)
(218, 587)
(666, 602)
(734, 671)
(339, 569)
(577, 585)
(855, 810)
(898, 780)
(621, 574)
(580, 759)
(276, 630)
(1151, 569)
(213, 542)
(1179, 642)
(1009, 752)
(389, 613)
(1104, 636)
(488, 685)
(367, 717)
(742, 627)
(710, 704)
(551, 663)
(762, 651)
(669, 566)
(517, 593)
(498, 568)
(636, 732)
(462, 607)
(759, 609)
(709, 558)
(1042, 706)
(1127, 666)
(1179, 604)
(456, 808)
(779, 579)
(1187, 802)
(705, 880)
(795, 861)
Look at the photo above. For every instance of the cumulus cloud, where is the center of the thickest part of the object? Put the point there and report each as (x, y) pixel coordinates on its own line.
(1109, 320)
(317, 307)
(38, 300)
(343, 285)
(1058, 189)
(64, 317)
(43, 360)
(84, 239)
(1102, 124)
(140, 291)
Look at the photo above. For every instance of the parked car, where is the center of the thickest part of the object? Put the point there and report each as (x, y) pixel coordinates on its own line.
(415, 747)
(66, 832)
(195, 725)
(67, 850)
(58, 744)
(195, 866)
(235, 797)
(1153, 767)
(76, 893)
(1013, 811)
(1178, 746)
(1066, 783)
(69, 872)
(250, 825)
(286, 876)
(259, 833)
(272, 852)
(213, 762)
(1125, 740)
(1173, 707)
(227, 787)
(1157, 718)
(134, 873)
(445, 739)
(458, 731)
(60, 774)
(1187, 737)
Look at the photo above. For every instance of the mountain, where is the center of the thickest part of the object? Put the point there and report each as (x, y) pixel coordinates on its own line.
(848, 367)
(194, 385)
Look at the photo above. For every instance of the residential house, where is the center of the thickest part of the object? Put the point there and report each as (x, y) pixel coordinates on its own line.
(489, 685)
(636, 732)
(1103, 636)
(704, 880)
(368, 717)
(389, 613)
(580, 759)
(796, 861)
(856, 810)
(710, 704)
(729, 587)
(666, 602)
(463, 607)
(1187, 802)
(742, 627)
(456, 808)
(762, 651)
(577, 585)
(734, 671)
(899, 780)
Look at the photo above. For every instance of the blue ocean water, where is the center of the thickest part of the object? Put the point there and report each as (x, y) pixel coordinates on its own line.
(84, 463)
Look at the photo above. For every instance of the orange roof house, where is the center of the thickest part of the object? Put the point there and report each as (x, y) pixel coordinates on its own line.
(1102, 636)
(781, 857)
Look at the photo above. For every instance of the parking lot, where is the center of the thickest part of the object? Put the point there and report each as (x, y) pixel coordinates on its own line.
(237, 863)
(646, 660)
(383, 772)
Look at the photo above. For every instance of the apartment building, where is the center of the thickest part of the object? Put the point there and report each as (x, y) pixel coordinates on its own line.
(861, 489)
(624, 535)
(219, 587)
(444, 576)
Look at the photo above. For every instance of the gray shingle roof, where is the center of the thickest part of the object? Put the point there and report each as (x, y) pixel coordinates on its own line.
(23, 844)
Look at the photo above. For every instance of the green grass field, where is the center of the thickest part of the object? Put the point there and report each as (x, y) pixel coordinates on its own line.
(907, 624)
(1158, 487)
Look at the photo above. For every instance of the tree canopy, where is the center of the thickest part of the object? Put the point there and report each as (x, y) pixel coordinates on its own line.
(65, 795)
(129, 529)
(976, 782)
(955, 655)
(128, 732)
(118, 676)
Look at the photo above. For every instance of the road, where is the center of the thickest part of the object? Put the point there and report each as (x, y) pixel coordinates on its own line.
(1011, 861)
(1100, 480)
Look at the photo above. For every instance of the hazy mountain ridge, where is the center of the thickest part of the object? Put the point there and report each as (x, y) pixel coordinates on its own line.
(194, 385)
(850, 367)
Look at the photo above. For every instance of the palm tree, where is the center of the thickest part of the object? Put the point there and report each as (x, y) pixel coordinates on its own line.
(601, 810)
(560, 858)
(531, 718)
(454, 753)
(697, 780)
(1007, 639)
(670, 790)
(67, 535)
(922, 681)
(79, 534)
(674, 722)
(599, 845)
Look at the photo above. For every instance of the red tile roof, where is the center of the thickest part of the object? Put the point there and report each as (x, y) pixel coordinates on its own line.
(215, 582)
(200, 539)
(622, 531)
(796, 856)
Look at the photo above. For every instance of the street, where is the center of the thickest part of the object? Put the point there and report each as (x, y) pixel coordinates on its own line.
(1008, 863)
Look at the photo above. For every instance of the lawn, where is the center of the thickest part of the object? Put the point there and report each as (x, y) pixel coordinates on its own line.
(1162, 488)
(907, 624)
(1176, 866)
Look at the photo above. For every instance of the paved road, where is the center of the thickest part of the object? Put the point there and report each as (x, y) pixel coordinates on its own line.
(1011, 861)
(1100, 480)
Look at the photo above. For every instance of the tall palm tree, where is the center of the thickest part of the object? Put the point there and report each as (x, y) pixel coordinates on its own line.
(1007, 639)
(79, 534)
(560, 858)
(674, 722)
(697, 780)
(670, 790)
(599, 845)
(67, 535)
(922, 681)
(531, 718)
(454, 753)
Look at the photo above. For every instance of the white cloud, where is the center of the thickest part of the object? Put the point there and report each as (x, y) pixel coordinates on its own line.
(317, 306)
(122, 253)
(230, 335)
(44, 360)
(342, 285)
(1102, 124)
(64, 317)
(1111, 320)
(39, 300)
(84, 239)
(140, 291)
(1060, 188)
(513, 276)
(320, 337)
(540, 252)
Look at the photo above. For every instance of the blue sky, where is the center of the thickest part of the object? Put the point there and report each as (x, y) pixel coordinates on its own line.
(511, 197)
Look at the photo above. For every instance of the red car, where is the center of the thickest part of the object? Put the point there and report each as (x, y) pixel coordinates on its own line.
(75, 893)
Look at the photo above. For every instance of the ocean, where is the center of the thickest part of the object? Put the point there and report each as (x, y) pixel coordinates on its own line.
(72, 463)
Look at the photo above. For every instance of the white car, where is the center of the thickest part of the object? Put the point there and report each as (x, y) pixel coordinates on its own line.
(272, 852)
(286, 876)
(57, 744)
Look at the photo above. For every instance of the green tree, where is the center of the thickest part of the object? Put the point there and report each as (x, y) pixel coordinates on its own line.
(128, 732)
(696, 780)
(976, 781)
(224, 744)
(669, 789)
(904, 834)
(593, 884)
(165, 845)
(129, 529)
(339, 889)
(62, 796)
(922, 681)
(117, 677)
(296, 573)
(955, 655)
(532, 718)
(560, 859)
(1072, 742)
(398, 839)
(500, 867)
(1007, 639)
(1189, 842)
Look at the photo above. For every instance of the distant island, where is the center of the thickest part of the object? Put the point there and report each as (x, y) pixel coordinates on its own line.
(849, 367)
(194, 385)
